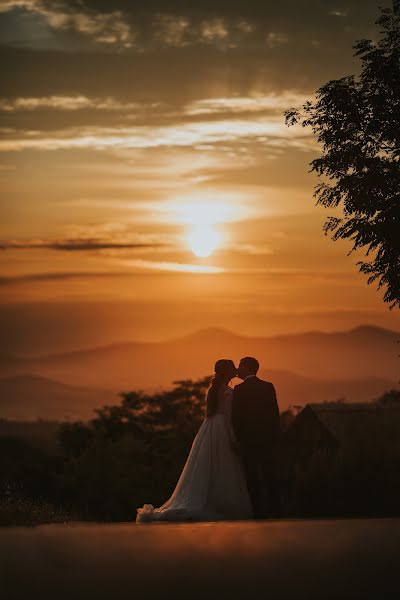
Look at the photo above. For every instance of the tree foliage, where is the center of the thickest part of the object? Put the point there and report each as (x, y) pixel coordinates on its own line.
(132, 452)
(357, 123)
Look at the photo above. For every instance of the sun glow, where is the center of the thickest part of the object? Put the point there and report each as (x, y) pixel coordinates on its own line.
(207, 208)
(203, 240)
(205, 218)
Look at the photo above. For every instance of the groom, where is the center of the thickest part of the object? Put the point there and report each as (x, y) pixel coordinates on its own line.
(255, 421)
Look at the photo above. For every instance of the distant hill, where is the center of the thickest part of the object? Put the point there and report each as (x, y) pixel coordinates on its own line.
(310, 367)
(365, 351)
(297, 390)
(27, 397)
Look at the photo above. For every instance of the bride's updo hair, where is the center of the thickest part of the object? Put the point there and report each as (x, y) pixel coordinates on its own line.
(223, 368)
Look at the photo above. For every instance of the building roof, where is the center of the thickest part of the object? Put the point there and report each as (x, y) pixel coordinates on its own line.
(357, 423)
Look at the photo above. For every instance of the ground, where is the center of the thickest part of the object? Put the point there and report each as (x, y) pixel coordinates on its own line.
(262, 559)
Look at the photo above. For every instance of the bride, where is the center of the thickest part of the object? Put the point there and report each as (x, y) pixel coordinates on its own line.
(212, 485)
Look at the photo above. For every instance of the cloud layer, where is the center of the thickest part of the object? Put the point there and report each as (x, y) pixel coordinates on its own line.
(225, 25)
(77, 245)
(104, 28)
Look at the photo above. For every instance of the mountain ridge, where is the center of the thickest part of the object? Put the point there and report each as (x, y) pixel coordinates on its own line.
(201, 334)
(29, 397)
(353, 355)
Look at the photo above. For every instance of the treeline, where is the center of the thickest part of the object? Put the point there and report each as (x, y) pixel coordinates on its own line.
(132, 453)
(127, 455)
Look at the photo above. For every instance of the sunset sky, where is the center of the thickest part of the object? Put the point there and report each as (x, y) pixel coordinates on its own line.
(135, 133)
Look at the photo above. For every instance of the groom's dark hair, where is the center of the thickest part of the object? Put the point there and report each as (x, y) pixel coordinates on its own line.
(251, 364)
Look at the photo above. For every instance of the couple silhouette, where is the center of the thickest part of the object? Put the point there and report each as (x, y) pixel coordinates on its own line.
(230, 471)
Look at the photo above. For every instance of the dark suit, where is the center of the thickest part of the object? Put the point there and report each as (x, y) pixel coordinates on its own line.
(255, 421)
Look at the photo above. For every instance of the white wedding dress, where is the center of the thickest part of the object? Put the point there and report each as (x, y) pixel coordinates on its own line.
(212, 485)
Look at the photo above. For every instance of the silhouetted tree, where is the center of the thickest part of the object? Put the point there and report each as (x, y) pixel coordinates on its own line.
(357, 122)
(74, 438)
(390, 397)
(132, 452)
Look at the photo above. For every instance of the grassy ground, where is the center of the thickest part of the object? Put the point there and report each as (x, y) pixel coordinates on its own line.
(16, 510)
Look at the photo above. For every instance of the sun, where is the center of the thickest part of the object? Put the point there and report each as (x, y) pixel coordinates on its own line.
(203, 240)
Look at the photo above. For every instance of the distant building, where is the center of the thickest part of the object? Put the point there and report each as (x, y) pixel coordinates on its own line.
(335, 427)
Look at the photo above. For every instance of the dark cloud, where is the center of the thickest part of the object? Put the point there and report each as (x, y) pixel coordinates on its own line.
(174, 75)
(268, 45)
(4, 280)
(288, 13)
(77, 245)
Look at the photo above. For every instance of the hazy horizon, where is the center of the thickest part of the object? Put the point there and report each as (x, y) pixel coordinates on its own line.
(47, 328)
(357, 365)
